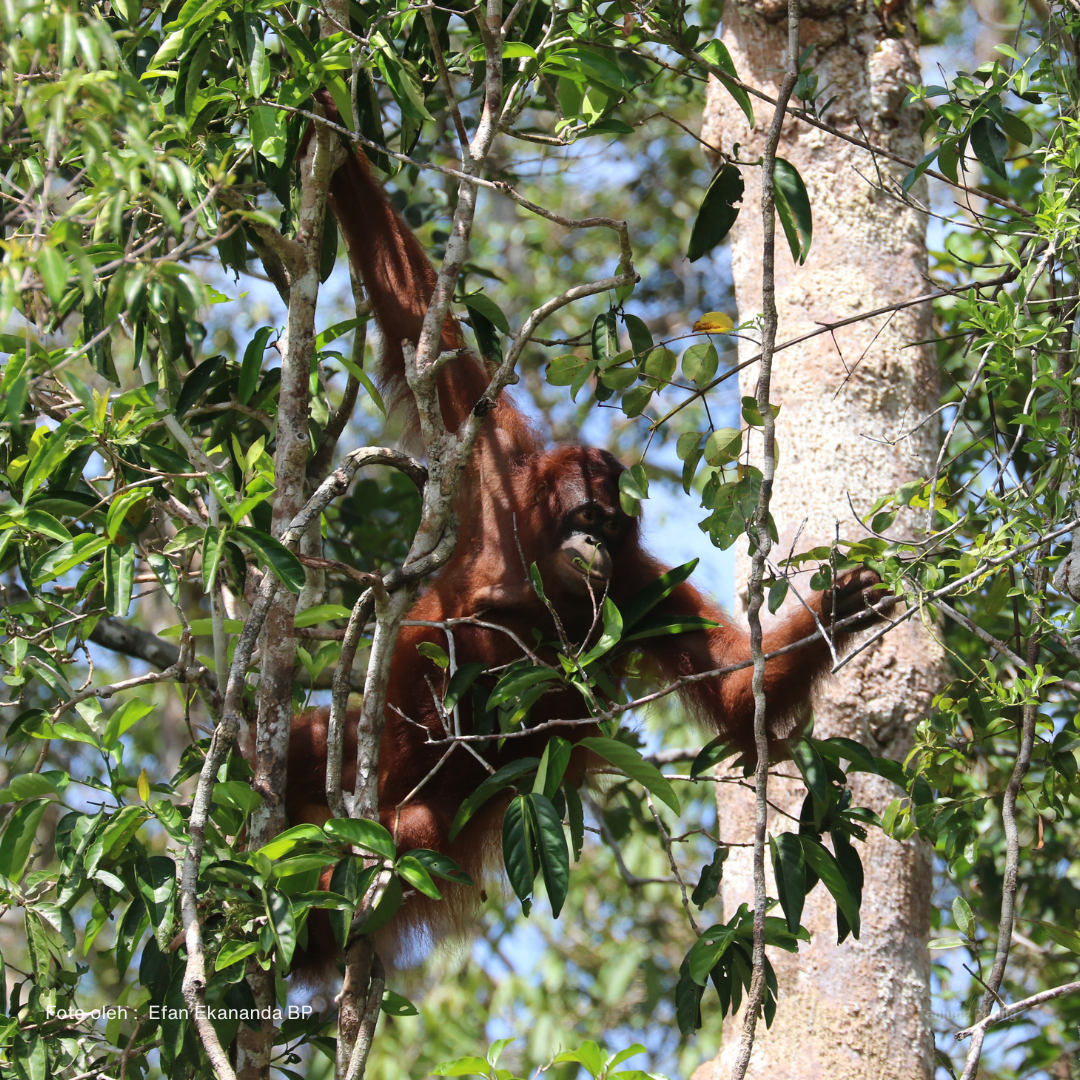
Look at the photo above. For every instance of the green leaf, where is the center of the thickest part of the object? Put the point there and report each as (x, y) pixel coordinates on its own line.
(789, 869)
(394, 1004)
(1066, 938)
(283, 922)
(414, 872)
(290, 840)
(460, 681)
(196, 384)
(723, 446)
(575, 816)
(634, 483)
(156, 880)
(965, 921)
(1015, 128)
(363, 833)
(213, 547)
(793, 209)
(321, 613)
(717, 212)
(635, 766)
(613, 628)
(126, 717)
(385, 909)
(821, 861)
(482, 304)
(812, 768)
(563, 370)
(688, 1001)
(646, 599)
(669, 626)
(435, 653)
(605, 336)
(640, 336)
(495, 783)
(439, 865)
(406, 93)
(552, 849)
(660, 365)
(40, 522)
(712, 753)
(18, 838)
(707, 951)
(990, 145)
(552, 767)
(54, 273)
(285, 565)
(699, 363)
(711, 875)
(515, 681)
(119, 578)
(778, 591)
(716, 53)
(234, 951)
(364, 380)
(519, 849)
(465, 1066)
(251, 367)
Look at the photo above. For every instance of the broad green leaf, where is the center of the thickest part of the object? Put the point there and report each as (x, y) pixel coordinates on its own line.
(613, 628)
(40, 522)
(290, 840)
(251, 367)
(1065, 937)
(711, 875)
(232, 952)
(812, 768)
(793, 209)
(635, 766)
(283, 922)
(707, 951)
(605, 337)
(519, 850)
(197, 383)
(127, 716)
(415, 873)
(460, 681)
(213, 548)
(789, 869)
(439, 865)
(717, 212)
(641, 340)
(495, 783)
(321, 613)
(18, 838)
(363, 833)
(716, 53)
(552, 767)
(990, 145)
(285, 565)
(394, 1004)
(821, 861)
(699, 364)
(644, 601)
(119, 579)
(723, 446)
(485, 306)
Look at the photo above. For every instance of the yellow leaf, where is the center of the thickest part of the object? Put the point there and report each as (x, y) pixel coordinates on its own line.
(714, 322)
(143, 785)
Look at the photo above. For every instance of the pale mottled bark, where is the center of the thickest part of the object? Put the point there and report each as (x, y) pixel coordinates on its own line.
(861, 1009)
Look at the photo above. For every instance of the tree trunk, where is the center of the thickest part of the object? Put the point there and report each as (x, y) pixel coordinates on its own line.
(851, 402)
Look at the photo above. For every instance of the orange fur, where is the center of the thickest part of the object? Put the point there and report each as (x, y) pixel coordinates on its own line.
(513, 506)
